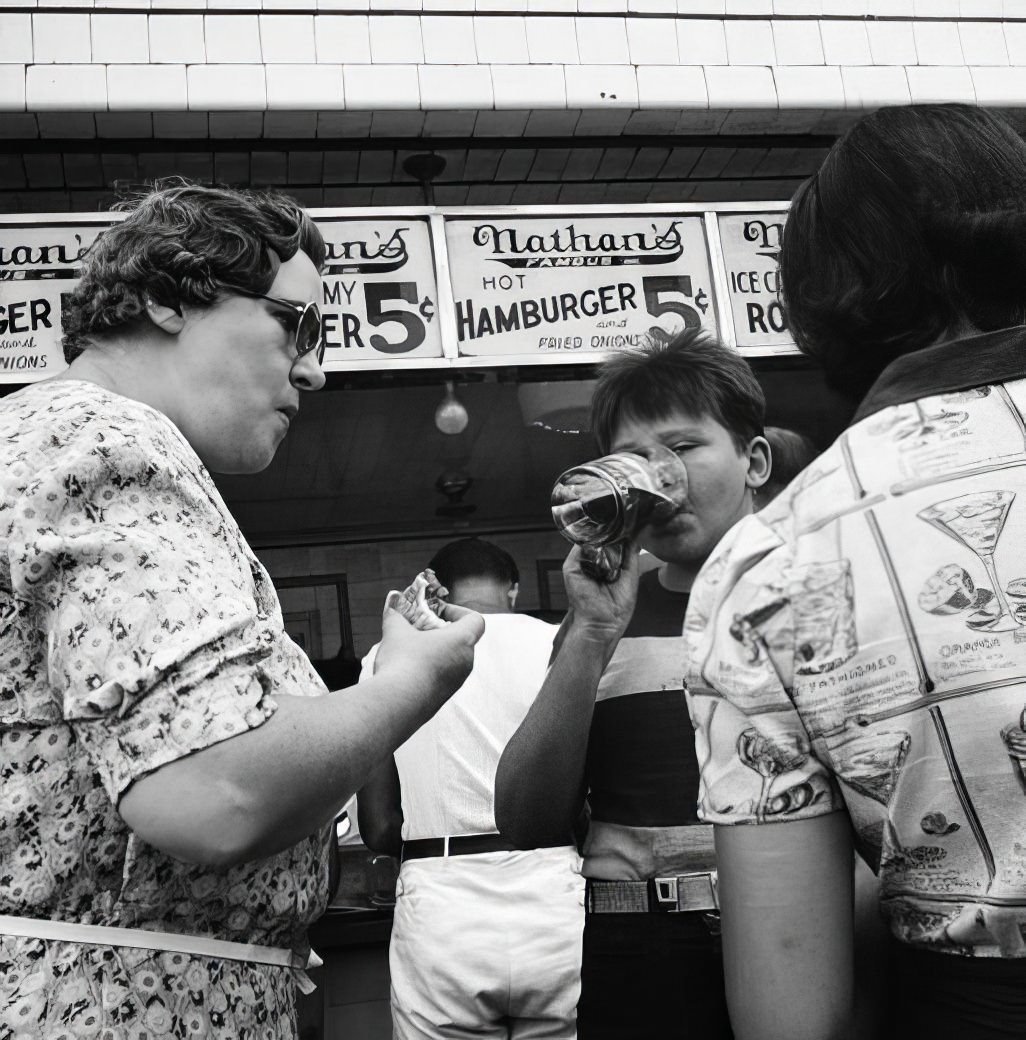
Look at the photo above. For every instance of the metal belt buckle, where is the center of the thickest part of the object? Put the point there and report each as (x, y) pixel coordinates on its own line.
(698, 890)
(685, 892)
(666, 894)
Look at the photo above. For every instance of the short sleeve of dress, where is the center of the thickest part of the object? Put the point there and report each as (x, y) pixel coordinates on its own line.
(756, 759)
(134, 584)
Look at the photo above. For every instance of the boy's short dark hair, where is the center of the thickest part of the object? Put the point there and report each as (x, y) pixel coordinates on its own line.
(692, 373)
(469, 558)
(183, 244)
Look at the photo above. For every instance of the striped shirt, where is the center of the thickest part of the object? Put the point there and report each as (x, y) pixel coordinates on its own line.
(641, 770)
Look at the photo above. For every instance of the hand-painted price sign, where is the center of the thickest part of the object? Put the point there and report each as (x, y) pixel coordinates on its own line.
(39, 263)
(379, 290)
(751, 248)
(536, 285)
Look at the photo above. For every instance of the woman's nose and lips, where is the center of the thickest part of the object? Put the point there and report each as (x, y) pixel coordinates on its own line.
(298, 285)
(283, 329)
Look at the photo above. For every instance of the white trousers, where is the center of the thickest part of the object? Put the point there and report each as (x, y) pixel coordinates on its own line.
(488, 945)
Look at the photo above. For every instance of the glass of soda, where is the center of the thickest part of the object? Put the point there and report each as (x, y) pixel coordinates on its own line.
(600, 505)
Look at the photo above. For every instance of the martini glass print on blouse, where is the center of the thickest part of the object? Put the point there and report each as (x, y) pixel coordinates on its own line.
(929, 425)
(976, 521)
(871, 763)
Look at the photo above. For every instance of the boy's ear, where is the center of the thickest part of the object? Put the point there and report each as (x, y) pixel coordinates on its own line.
(760, 462)
(165, 318)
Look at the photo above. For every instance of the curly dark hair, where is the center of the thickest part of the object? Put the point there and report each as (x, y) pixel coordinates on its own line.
(181, 244)
(913, 226)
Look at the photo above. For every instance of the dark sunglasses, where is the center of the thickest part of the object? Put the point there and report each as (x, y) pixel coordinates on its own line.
(304, 322)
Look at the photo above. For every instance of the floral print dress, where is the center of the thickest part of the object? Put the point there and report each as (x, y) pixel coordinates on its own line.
(136, 627)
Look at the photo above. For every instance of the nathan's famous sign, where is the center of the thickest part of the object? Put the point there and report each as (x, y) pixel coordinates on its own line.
(379, 290)
(39, 263)
(751, 251)
(536, 285)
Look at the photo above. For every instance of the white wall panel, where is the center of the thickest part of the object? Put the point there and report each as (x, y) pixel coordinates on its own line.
(684, 66)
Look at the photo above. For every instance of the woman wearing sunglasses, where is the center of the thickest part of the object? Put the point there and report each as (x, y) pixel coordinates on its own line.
(169, 770)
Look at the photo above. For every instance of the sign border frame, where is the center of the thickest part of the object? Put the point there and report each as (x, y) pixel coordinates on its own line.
(438, 216)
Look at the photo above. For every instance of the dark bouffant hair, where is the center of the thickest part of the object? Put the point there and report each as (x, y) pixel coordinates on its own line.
(913, 225)
(181, 244)
(473, 558)
(692, 373)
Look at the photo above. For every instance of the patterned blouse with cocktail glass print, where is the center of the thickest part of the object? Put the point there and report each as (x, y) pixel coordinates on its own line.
(861, 644)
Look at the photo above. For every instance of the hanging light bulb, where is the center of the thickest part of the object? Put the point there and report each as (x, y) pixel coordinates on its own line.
(450, 415)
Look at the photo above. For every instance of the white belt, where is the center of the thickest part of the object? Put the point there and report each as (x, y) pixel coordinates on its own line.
(170, 942)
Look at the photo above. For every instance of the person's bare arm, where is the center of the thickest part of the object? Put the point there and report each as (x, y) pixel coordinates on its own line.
(785, 894)
(380, 810)
(260, 792)
(539, 783)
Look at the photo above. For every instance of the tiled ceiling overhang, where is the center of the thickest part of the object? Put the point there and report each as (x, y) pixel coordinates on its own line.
(87, 175)
(528, 101)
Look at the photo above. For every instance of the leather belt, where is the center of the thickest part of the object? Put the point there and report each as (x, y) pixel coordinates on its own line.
(462, 845)
(680, 893)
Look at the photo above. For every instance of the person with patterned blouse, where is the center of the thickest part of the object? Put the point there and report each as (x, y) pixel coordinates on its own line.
(858, 648)
(169, 770)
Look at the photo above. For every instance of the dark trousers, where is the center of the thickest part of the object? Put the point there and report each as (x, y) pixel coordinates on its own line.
(651, 975)
(946, 997)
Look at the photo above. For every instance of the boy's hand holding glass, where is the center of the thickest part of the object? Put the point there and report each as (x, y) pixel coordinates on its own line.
(602, 606)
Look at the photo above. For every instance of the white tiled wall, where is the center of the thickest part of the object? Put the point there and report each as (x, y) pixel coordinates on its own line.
(556, 61)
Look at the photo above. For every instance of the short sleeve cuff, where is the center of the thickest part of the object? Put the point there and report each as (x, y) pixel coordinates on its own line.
(175, 724)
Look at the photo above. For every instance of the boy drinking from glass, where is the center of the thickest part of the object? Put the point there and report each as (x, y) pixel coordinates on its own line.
(610, 732)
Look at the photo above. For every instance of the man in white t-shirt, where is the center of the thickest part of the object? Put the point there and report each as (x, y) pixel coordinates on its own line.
(486, 939)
